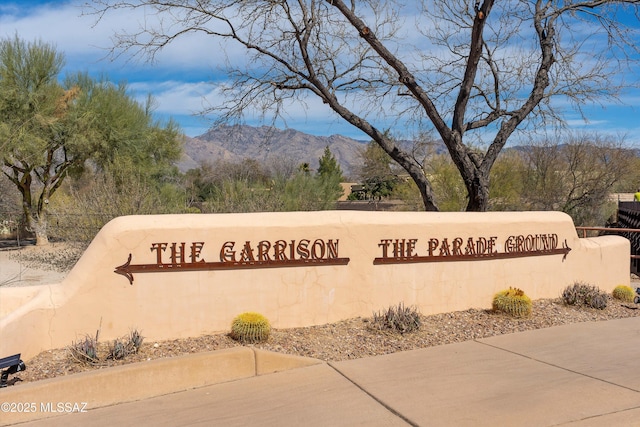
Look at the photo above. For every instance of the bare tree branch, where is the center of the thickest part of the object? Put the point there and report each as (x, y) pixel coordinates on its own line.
(476, 73)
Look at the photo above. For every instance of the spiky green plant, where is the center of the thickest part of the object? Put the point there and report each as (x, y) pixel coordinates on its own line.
(117, 350)
(250, 328)
(513, 301)
(123, 347)
(398, 319)
(624, 293)
(598, 301)
(85, 351)
(135, 340)
(580, 294)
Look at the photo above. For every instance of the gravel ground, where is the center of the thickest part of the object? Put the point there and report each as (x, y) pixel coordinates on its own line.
(57, 256)
(348, 339)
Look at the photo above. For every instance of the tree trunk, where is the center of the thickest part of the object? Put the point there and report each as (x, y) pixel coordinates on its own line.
(38, 224)
(478, 195)
(415, 172)
(425, 192)
(473, 170)
(40, 229)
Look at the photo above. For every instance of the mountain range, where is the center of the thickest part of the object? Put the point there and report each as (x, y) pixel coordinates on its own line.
(268, 144)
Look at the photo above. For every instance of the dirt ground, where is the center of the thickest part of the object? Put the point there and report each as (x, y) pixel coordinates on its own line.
(348, 339)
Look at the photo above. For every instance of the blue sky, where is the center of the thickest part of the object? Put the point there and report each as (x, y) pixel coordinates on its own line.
(181, 78)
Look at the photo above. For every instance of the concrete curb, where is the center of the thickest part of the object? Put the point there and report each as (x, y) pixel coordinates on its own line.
(137, 381)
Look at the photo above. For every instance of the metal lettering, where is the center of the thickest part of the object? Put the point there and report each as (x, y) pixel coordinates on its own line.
(227, 254)
(384, 244)
(433, 245)
(263, 250)
(332, 249)
(158, 247)
(471, 247)
(303, 249)
(247, 252)
(265, 254)
(279, 247)
(196, 250)
(444, 248)
(476, 248)
(177, 252)
(457, 243)
(317, 244)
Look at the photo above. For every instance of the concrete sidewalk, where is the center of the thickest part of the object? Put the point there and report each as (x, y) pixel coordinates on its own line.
(576, 375)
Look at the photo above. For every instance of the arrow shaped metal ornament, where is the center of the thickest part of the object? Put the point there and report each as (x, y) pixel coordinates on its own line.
(127, 269)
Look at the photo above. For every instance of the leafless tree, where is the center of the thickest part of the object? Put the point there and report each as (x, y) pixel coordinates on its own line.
(474, 73)
(575, 175)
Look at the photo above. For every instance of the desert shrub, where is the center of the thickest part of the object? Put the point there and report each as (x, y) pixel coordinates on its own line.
(624, 293)
(78, 212)
(135, 339)
(398, 318)
(118, 350)
(512, 301)
(300, 192)
(85, 351)
(89, 351)
(123, 347)
(582, 294)
(250, 328)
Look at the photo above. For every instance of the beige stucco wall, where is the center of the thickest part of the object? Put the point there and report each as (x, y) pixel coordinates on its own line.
(176, 303)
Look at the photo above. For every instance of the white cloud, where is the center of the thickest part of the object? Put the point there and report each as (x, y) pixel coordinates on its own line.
(175, 96)
(86, 42)
(59, 24)
(588, 123)
(180, 79)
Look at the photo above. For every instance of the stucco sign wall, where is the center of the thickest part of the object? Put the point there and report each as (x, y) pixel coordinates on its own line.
(174, 276)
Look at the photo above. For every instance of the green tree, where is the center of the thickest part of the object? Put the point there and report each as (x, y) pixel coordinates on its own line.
(10, 200)
(123, 134)
(49, 130)
(473, 72)
(247, 186)
(447, 183)
(305, 168)
(328, 166)
(198, 186)
(227, 186)
(376, 172)
(34, 110)
(304, 192)
(300, 192)
(507, 182)
(329, 176)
